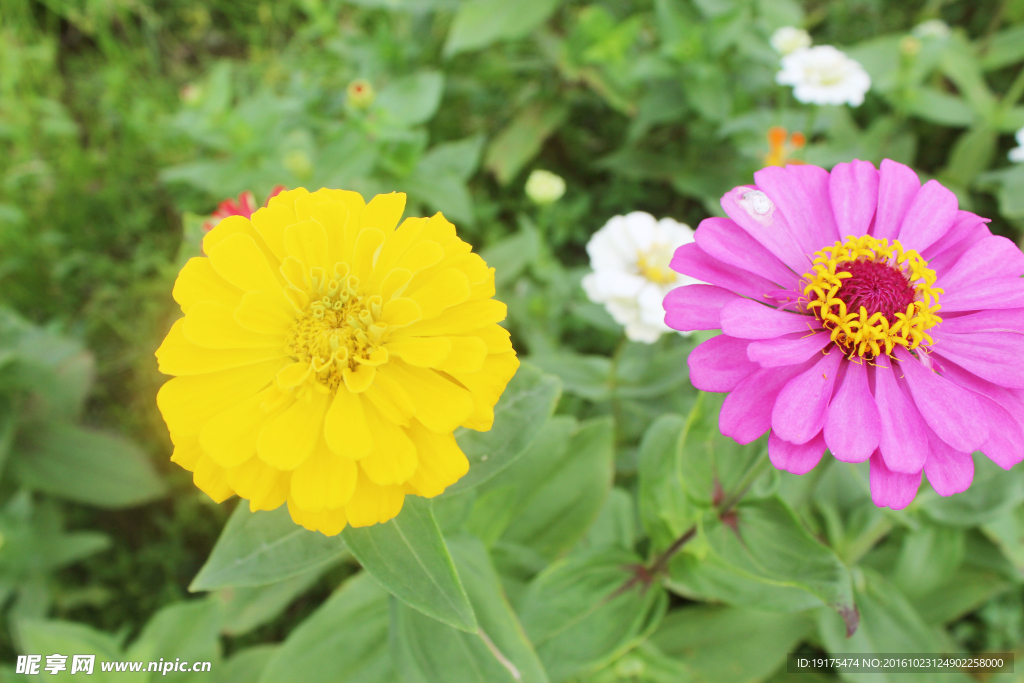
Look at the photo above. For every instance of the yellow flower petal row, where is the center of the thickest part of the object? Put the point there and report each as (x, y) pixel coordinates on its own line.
(326, 356)
(858, 332)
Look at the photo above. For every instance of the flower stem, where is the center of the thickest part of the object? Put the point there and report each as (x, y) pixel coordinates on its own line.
(756, 469)
(1015, 91)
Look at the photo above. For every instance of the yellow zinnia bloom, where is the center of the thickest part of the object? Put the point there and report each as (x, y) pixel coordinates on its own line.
(326, 357)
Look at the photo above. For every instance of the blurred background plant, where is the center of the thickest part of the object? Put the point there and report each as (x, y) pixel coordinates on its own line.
(123, 125)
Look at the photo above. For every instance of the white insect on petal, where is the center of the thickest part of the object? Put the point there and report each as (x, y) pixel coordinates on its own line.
(758, 206)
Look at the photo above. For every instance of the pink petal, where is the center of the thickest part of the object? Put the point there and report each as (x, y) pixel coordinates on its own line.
(987, 258)
(1010, 399)
(995, 356)
(897, 187)
(891, 489)
(903, 438)
(788, 350)
(949, 471)
(720, 363)
(1011, 320)
(807, 210)
(770, 230)
(696, 307)
(691, 260)
(747, 411)
(800, 409)
(967, 228)
(954, 413)
(853, 189)
(997, 293)
(795, 458)
(853, 424)
(929, 217)
(748, 319)
(1005, 446)
(722, 239)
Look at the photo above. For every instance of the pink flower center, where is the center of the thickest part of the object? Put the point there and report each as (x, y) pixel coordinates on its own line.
(878, 287)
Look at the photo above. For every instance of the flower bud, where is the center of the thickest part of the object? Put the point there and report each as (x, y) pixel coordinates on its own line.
(544, 187)
(360, 93)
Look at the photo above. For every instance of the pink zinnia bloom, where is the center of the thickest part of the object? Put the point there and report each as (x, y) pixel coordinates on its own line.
(245, 206)
(864, 313)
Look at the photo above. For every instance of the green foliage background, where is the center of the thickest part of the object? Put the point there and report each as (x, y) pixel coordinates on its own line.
(124, 122)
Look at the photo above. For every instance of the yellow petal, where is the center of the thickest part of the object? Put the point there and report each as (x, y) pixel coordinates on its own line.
(373, 504)
(262, 312)
(334, 216)
(293, 375)
(289, 438)
(238, 225)
(213, 326)
(187, 403)
(306, 241)
(345, 428)
(468, 354)
(263, 486)
(360, 379)
(439, 229)
(486, 386)
(395, 283)
(446, 289)
(390, 399)
(441, 405)
(198, 281)
(400, 312)
(441, 461)
(178, 356)
(186, 452)
(392, 460)
(496, 337)
(461, 319)
(367, 243)
(420, 256)
(423, 352)
(210, 478)
(324, 481)
(327, 522)
(270, 223)
(383, 211)
(288, 197)
(395, 246)
(229, 437)
(295, 273)
(238, 260)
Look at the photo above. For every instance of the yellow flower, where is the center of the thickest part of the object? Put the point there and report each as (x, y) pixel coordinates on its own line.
(326, 357)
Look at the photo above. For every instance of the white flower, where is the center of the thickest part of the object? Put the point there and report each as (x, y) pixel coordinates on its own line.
(824, 75)
(790, 39)
(544, 187)
(630, 256)
(933, 28)
(1017, 153)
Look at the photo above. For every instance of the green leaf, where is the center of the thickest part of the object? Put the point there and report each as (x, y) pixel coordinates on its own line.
(344, 641)
(966, 590)
(460, 158)
(479, 23)
(563, 481)
(517, 144)
(665, 511)
(971, 155)
(764, 541)
(408, 556)
(960, 66)
(87, 466)
(648, 370)
(888, 624)
(258, 548)
(991, 493)
(586, 376)
(1006, 530)
(189, 630)
(579, 614)
(940, 107)
(929, 556)
(247, 664)
(731, 643)
(529, 399)
(428, 651)
(615, 525)
(52, 636)
(511, 255)
(413, 99)
(1003, 48)
(246, 607)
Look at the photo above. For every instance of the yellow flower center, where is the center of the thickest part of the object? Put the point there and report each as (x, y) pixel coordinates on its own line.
(338, 331)
(872, 296)
(654, 264)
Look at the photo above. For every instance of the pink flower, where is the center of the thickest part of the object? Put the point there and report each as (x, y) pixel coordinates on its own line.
(864, 313)
(245, 206)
